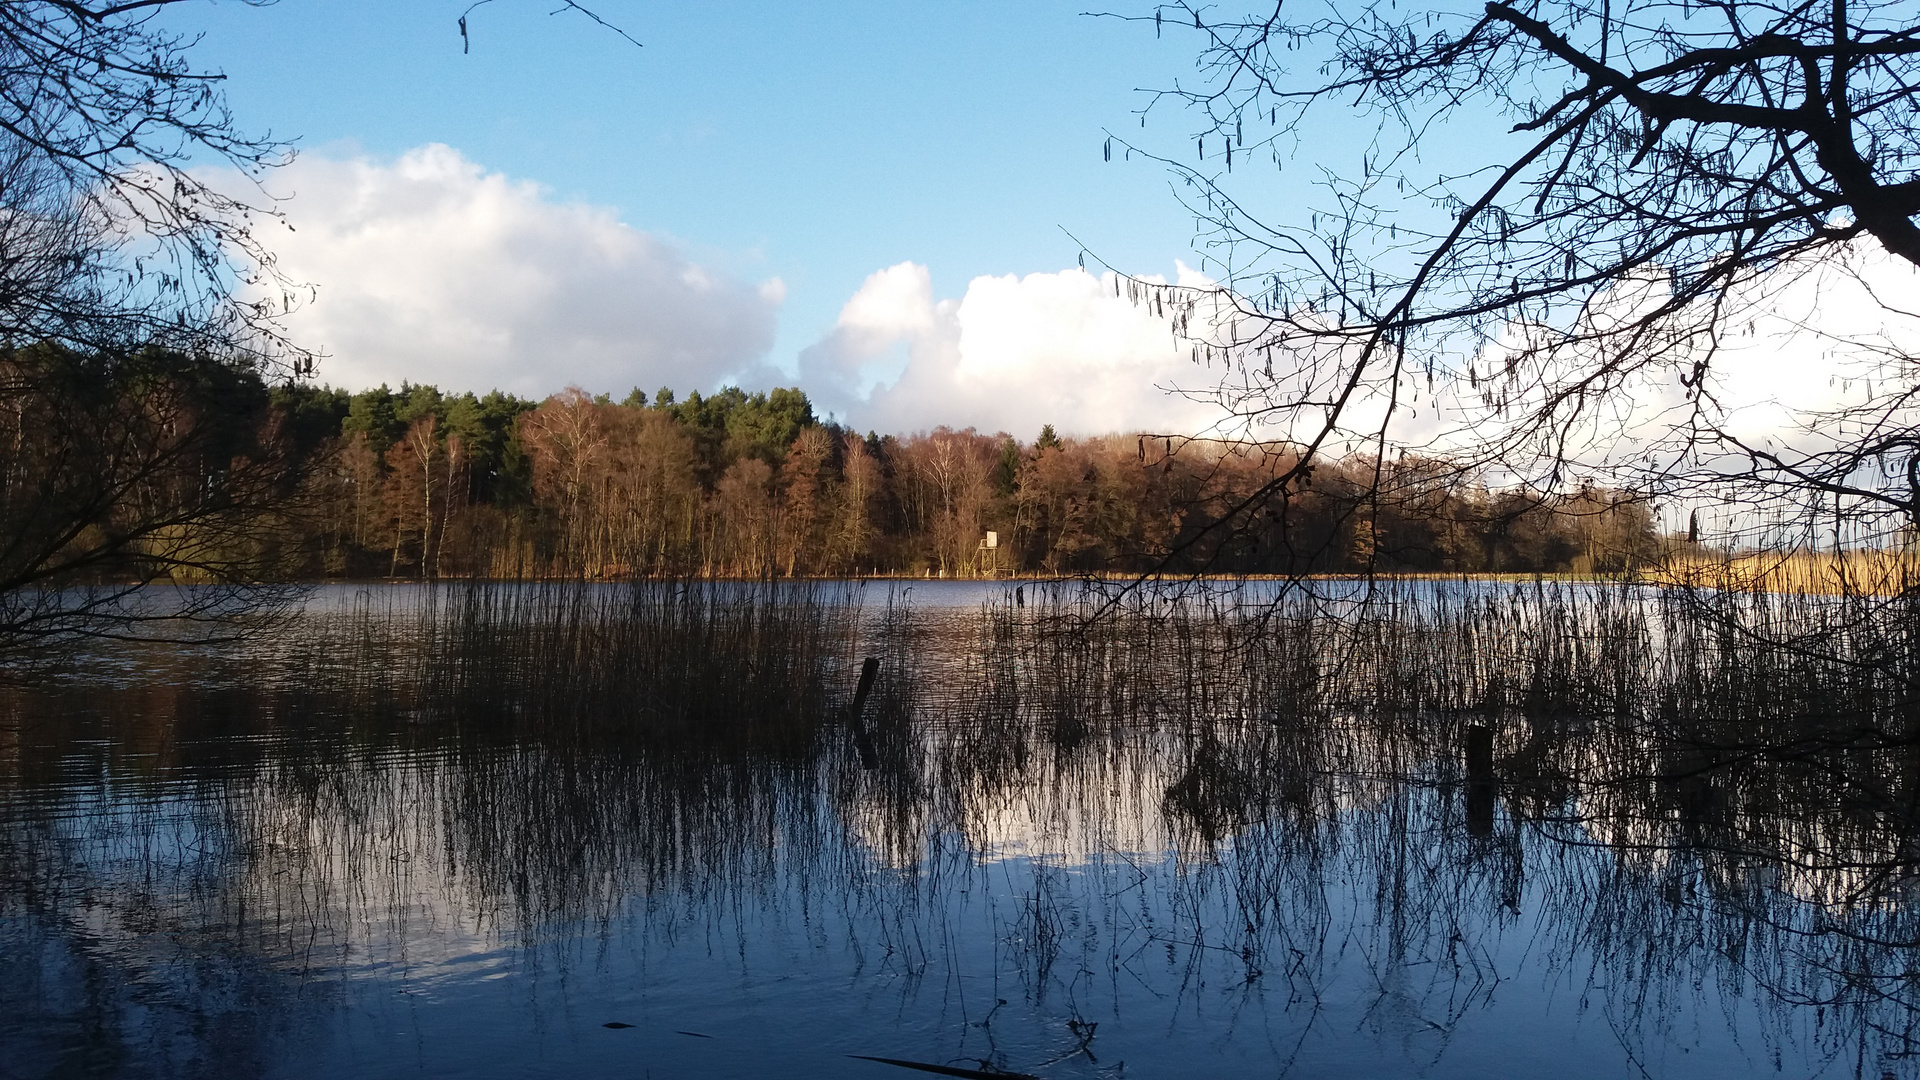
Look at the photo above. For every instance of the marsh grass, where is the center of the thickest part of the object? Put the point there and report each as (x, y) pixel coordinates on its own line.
(691, 660)
(1856, 572)
(1720, 784)
(1691, 792)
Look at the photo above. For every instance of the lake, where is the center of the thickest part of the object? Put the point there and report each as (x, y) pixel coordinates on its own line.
(1437, 830)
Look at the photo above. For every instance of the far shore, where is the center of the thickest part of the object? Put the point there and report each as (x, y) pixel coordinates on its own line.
(1867, 573)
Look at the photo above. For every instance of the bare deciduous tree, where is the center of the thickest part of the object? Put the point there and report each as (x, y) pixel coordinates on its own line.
(133, 296)
(1538, 226)
(101, 113)
(117, 471)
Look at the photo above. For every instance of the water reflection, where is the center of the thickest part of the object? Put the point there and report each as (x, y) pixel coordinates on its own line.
(1584, 832)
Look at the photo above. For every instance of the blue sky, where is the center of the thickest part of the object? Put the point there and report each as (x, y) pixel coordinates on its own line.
(812, 144)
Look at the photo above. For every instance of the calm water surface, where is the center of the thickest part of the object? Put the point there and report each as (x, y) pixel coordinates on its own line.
(403, 835)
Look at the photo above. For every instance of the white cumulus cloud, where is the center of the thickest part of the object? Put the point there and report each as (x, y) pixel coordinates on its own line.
(429, 268)
(1012, 354)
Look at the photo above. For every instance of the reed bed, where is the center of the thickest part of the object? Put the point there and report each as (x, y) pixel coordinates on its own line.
(1720, 785)
(1860, 572)
(685, 660)
(1681, 788)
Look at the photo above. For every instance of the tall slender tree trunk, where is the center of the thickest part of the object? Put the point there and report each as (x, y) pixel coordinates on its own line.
(426, 517)
(454, 451)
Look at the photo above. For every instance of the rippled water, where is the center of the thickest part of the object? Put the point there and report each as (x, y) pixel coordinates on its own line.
(432, 834)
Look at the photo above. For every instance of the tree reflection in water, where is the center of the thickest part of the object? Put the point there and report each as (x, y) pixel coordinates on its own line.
(1451, 829)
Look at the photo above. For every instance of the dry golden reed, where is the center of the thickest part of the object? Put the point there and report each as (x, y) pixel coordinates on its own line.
(1862, 572)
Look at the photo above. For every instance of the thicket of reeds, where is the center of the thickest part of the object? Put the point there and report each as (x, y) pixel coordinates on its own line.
(741, 661)
(1852, 572)
(1696, 785)
(1202, 786)
(1701, 781)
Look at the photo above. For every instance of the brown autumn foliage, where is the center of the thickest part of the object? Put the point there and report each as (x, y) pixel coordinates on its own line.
(416, 484)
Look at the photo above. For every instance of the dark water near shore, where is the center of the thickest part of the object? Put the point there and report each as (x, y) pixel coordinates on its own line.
(467, 833)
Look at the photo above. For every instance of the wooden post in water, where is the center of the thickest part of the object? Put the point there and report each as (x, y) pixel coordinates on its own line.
(1480, 783)
(1479, 752)
(862, 742)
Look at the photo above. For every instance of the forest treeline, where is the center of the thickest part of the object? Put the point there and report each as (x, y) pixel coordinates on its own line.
(292, 481)
(414, 482)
